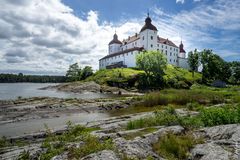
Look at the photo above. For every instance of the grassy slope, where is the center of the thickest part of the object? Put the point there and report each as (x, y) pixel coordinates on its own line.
(125, 74)
(173, 72)
(116, 75)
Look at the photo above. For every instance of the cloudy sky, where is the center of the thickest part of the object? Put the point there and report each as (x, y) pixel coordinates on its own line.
(46, 36)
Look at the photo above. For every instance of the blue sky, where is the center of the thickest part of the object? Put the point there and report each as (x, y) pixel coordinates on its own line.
(46, 36)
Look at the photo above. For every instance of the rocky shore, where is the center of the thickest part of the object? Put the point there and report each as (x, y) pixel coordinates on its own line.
(109, 138)
(220, 142)
(81, 87)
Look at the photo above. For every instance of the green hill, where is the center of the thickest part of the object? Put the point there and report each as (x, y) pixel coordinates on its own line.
(174, 77)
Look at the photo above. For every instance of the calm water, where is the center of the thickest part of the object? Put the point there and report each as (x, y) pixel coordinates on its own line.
(25, 90)
(36, 125)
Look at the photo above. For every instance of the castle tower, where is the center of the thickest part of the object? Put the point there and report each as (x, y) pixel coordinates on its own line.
(114, 45)
(182, 53)
(148, 35)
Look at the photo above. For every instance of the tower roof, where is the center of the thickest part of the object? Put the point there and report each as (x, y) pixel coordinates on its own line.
(115, 40)
(148, 25)
(181, 48)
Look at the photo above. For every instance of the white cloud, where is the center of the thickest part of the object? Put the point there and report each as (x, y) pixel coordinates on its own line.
(197, 27)
(180, 1)
(44, 36)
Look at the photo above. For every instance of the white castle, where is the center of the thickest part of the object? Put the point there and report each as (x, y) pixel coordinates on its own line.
(123, 54)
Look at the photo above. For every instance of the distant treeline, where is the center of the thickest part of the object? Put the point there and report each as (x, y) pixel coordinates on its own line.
(13, 78)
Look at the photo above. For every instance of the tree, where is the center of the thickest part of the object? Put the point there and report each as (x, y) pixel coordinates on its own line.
(193, 61)
(235, 72)
(214, 67)
(74, 72)
(86, 72)
(153, 63)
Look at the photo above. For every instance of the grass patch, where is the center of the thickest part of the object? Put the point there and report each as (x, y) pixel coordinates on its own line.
(57, 144)
(166, 117)
(227, 114)
(181, 97)
(104, 76)
(174, 147)
(4, 142)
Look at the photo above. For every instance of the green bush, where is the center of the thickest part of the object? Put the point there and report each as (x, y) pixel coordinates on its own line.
(219, 116)
(25, 155)
(172, 146)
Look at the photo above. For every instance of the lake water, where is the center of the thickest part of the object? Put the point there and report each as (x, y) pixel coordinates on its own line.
(25, 90)
(36, 125)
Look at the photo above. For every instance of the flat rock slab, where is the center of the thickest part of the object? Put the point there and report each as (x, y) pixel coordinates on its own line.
(102, 155)
(209, 151)
(141, 147)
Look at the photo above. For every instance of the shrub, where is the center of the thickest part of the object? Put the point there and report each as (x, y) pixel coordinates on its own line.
(192, 106)
(175, 146)
(25, 155)
(218, 116)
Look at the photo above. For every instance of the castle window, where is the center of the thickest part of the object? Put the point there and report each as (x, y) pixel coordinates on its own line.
(170, 48)
(174, 60)
(143, 38)
(170, 53)
(166, 47)
(151, 46)
(158, 45)
(166, 52)
(162, 46)
(170, 60)
(151, 37)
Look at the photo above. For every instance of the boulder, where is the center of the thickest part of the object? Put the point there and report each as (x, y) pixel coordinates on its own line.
(102, 155)
(209, 151)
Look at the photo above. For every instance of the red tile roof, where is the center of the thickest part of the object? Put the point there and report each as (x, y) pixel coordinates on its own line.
(131, 39)
(166, 41)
